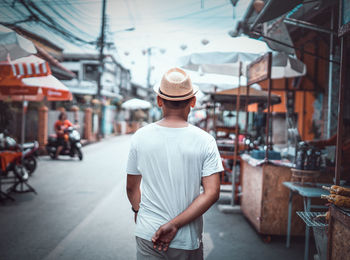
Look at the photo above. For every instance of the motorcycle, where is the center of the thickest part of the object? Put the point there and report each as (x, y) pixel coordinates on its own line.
(12, 161)
(70, 148)
(29, 151)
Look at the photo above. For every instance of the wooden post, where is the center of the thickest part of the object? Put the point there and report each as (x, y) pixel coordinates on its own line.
(88, 124)
(246, 110)
(42, 127)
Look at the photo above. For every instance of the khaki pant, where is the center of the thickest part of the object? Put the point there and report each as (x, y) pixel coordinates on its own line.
(145, 251)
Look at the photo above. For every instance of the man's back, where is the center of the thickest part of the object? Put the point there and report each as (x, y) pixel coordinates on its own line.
(172, 162)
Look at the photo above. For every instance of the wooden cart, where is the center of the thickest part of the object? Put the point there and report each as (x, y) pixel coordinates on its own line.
(264, 201)
(339, 234)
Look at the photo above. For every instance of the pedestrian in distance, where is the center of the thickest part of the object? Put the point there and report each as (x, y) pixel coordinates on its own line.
(168, 161)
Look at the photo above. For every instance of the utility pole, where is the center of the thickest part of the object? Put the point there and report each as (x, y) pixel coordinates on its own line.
(149, 52)
(101, 45)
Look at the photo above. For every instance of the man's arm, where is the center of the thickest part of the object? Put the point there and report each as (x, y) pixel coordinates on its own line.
(133, 191)
(198, 207)
(322, 143)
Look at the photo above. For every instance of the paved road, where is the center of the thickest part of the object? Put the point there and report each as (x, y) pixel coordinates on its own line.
(81, 212)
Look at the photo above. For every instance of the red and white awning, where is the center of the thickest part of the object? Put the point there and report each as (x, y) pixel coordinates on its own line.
(30, 78)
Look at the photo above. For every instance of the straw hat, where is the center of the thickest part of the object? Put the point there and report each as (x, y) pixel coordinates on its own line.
(176, 85)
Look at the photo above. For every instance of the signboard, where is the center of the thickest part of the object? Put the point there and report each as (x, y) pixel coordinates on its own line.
(345, 17)
(258, 70)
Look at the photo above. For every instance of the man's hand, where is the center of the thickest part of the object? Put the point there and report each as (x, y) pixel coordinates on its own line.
(164, 235)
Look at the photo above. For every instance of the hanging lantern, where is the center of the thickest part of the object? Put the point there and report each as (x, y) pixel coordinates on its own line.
(204, 42)
(183, 47)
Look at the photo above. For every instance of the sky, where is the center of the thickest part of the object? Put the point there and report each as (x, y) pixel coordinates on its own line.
(162, 25)
(168, 25)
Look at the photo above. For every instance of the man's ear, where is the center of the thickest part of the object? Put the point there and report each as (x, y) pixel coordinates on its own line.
(193, 101)
(159, 101)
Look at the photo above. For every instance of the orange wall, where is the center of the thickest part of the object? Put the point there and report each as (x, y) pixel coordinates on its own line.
(304, 101)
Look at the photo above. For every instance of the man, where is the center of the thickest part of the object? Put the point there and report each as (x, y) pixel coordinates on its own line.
(172, 158)
(60, 125)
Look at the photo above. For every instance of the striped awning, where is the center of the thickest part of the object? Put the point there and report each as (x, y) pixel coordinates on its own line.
(30, 78)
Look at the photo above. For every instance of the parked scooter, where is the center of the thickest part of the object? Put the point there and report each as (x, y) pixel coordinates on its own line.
(70, 148)
(12, 162)
(29, 151)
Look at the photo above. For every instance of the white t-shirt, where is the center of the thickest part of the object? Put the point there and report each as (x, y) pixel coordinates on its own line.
(172, 162)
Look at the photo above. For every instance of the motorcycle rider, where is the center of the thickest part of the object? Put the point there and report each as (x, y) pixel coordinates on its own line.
(60, 125)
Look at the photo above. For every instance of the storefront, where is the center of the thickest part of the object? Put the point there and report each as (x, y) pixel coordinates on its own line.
(315, 107)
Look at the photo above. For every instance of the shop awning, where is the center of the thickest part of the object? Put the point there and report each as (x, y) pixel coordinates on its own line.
(30, 78)
(228, 98)
(274, 9)
(283, 65)
(244, 50)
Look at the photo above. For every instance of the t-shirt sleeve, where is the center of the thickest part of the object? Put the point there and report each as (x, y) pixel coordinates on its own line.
(131, 167)
(212, 160)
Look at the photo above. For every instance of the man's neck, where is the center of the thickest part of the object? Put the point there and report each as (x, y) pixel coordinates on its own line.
(175, 121)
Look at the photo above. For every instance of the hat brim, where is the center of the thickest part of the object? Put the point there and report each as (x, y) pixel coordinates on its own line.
(195, 89)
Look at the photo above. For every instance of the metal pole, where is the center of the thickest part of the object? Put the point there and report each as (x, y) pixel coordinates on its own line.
(149, 52)
(100, 70)
(293, 47)
(330, 77)
(236, 137)
(339, 145)
(268, 106)
(214, 113)
(23, 122)
(307, 25)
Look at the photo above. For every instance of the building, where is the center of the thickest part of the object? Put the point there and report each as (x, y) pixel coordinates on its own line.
(303, 31)
(115, 78)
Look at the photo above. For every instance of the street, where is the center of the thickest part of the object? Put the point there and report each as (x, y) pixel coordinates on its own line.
(82, 212)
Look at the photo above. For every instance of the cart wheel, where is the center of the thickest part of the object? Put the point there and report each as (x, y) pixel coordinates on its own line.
(30, 164)
(267, 239)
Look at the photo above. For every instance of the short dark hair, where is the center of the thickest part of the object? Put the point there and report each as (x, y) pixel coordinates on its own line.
(62, 114)
(176, 104)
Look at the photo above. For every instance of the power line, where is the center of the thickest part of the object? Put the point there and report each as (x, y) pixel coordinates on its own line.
(53, 2)
(65, 20)
(34, 13)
